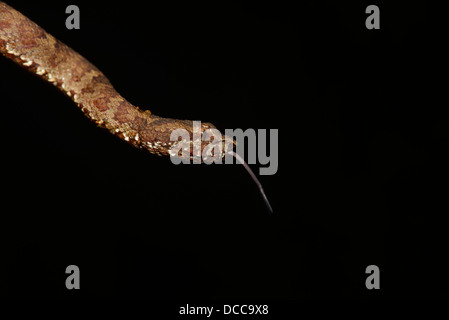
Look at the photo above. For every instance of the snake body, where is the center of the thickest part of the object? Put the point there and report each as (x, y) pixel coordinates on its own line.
(28, 45)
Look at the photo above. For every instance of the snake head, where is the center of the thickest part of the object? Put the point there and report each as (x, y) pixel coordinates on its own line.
(214, 145)
(183, 138)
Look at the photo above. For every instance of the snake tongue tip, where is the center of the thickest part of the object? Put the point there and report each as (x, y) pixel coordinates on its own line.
(253, 176)
(267, 202)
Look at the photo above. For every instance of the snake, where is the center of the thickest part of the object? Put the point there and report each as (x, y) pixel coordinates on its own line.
(31, 47)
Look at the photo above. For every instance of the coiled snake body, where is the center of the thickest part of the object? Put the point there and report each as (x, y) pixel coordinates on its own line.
(28, 45)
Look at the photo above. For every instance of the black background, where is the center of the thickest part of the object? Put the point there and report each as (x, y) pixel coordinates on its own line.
(362, 156)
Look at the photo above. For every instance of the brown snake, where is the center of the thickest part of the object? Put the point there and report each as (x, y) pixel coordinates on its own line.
(28, 45)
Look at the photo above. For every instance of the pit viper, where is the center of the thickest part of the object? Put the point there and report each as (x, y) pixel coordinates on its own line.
(31, 47)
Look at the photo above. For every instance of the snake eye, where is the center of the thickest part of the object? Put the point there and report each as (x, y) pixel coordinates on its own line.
(207, 125)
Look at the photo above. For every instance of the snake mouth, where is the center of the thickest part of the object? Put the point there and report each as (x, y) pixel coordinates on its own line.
(208, 152)
(202, 151)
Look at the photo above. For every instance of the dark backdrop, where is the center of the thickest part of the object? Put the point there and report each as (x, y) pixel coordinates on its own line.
(362, 156)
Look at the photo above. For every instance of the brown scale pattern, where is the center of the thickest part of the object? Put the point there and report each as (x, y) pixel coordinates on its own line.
(27, 44)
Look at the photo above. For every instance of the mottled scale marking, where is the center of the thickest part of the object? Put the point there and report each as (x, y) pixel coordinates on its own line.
(27, 44)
